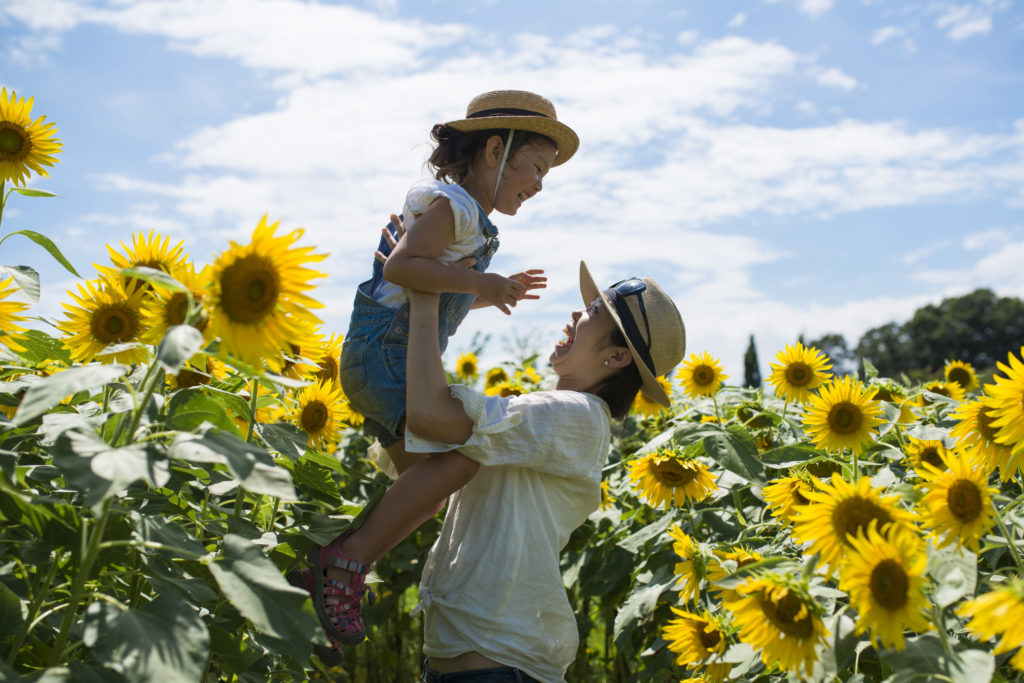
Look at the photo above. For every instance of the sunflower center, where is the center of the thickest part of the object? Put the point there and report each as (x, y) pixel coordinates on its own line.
(940, 389)
(930, 455)
(789, 615)
(328, 369)
(985, 428)
(703, 375)
(177, 309)
(190, 378)
(961, 376)
(855, 514)
(845, 418)
(798, 498)
(314, 417)
(673, 473)
(799, 374)
(890, 585)
(964, 500)
(709, 637)
(883, 395)
(114, 323)
(15, 143)
(249, 289)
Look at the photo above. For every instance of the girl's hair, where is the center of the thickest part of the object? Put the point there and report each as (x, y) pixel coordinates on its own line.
(455, 149)
(619, 390)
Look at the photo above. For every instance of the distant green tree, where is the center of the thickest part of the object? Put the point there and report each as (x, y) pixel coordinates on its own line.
(979, 328)
(751, 369)
(834, 346)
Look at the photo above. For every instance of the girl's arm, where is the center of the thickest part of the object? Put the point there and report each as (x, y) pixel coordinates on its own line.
(413, 262)
(431, 411)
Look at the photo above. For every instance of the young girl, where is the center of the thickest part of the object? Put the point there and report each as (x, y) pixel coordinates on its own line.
(493, 159)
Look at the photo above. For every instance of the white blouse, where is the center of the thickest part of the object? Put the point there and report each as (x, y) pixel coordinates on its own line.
(492, 582)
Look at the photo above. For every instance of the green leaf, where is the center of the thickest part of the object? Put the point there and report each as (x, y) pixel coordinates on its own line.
(285, 438)
(955, 574)
(47, 244)
(13, 610)
(635, 541)
(179, 344)
(49, 391)
(92, 467)
(30, 192)
(316, 480)
(40, 346)
(256, 588)
(189, 408)
(27, 280)
(787, 456)
(252, 466)
(640, 604)
(735, 450)
(164, 640)
(154, 276)
(870, 371)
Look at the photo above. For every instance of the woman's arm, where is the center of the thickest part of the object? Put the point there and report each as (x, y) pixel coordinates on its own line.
(431, 411)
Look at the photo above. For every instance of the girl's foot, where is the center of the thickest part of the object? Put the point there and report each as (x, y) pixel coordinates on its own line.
(333, 655)
(338, 602)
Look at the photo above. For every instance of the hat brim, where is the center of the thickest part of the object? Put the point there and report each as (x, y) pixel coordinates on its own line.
(565, 139)
(651, 387)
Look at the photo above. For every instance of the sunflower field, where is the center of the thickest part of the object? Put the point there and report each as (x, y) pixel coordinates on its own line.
(172, 446)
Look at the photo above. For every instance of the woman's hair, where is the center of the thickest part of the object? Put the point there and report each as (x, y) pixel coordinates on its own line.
(619, 390)
(456, 149)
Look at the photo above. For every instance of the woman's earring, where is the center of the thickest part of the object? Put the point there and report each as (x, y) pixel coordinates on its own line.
(606, 363)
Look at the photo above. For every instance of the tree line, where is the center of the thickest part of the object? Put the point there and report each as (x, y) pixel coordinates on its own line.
(979, 328)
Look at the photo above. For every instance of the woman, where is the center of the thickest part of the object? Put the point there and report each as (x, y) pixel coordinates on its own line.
(494, 605)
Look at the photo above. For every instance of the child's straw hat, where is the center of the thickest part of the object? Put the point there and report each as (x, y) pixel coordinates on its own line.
(649, 321)
(519, 110)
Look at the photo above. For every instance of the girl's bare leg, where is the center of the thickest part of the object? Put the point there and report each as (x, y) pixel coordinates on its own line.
(413, 499)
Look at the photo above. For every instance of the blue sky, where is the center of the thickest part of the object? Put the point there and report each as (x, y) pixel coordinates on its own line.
(786, 167)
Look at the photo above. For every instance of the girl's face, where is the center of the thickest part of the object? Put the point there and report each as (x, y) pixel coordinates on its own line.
(579, 360)
(522, 176)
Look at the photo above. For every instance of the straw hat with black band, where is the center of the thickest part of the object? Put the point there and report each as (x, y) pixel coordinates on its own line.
(519, 110)
(649, 321)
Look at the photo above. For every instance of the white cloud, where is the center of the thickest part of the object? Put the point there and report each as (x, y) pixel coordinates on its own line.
(737, 20)
(687, 37)
(835, 78)
(815, 8)
(887, 33)
(806, 107)
(964, 21)
(987, 239)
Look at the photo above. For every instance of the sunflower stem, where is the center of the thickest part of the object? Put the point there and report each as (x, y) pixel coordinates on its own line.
(149, 382)
(1010, 540)
(3, 199)
(252, 409)
(941, 628)
(855, 468)
(739, 508)
(718, 413)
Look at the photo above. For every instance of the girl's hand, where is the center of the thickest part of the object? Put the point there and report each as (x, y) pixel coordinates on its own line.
(530, 280)
(500, 291)
(389, 238)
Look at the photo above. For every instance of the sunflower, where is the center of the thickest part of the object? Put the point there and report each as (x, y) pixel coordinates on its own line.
(951, 390)
(839, 511)
(725, 563)
(642, 405)
(106, 314)
(890, 392)
(695, 638)
(842, 416)
(799, 370)
(784, 494)
(302, 360)
(150, 251)
(510, 387)
(884, 575)
(975, 431)
(198, 371)
(258, 299)
(778, 616)
(1000, 612)
(962, 373)
(1005, 402)
(466, 367)
(330, 367)
(319, 411)
(166, 308)
(607, 499)
(9, 318)
(529, 374)
(25, 145)
(925, 451)
(701, 375)
(957, 505)
(494, 377)
(692, 564)
(666, 478)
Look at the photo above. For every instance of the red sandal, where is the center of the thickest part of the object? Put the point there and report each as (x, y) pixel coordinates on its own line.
(303, 578)
(339, 606)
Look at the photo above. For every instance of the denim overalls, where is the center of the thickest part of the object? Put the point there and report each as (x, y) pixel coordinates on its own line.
(374, 352)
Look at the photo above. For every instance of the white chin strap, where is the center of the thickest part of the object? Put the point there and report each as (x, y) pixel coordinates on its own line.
(501, 169)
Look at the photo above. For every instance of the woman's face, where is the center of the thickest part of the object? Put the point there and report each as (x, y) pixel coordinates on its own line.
(581, 355)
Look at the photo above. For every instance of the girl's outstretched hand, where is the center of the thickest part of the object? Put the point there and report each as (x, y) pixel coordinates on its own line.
(392, 242)
(530, 280)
